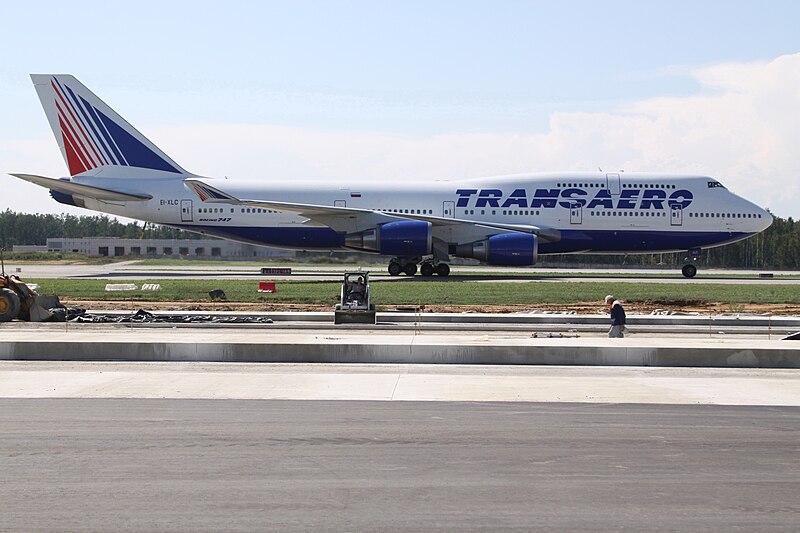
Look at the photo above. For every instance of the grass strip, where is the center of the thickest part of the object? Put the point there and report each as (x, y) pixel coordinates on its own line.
(455, 292)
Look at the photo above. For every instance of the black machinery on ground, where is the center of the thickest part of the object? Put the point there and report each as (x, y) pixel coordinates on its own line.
(354, 305)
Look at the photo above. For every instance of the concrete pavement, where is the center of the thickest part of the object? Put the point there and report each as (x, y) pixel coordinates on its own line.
(389, 382)
(188, 447)
(205, 465)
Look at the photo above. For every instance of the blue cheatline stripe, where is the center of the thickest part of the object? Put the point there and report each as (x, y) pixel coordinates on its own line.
(299, 238)
(93, 112)
(649, 241)
(137, 154)
(572, 241)
(98, 141)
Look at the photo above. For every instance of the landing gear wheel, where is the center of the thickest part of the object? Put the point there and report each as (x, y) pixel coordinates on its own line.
(689, 271)
(394, 269)
(443, 269)
(410, 269)
(426, 269)
(9, 305)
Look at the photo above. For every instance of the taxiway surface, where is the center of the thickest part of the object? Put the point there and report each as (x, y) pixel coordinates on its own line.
(132, 270)
(204, 465)
(251, 447)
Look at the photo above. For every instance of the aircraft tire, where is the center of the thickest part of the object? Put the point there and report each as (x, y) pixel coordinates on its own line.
(689, 271)
(410, 269)
(394, 268)
(426, 269)
(9, 305)
(443, 269)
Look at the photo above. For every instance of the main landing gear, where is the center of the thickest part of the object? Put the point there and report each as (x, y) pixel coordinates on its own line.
(408, 266)
(429, 268)
(396, 268)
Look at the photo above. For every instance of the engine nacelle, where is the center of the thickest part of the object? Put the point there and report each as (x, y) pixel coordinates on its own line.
(404, 238)
(63, 198)
(505, 249)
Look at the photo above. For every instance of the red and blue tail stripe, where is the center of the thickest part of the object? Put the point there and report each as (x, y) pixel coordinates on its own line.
(93, 139)
(101, 144)
(75, 143)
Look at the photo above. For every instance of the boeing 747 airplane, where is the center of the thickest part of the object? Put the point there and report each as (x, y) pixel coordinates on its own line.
(506, 221)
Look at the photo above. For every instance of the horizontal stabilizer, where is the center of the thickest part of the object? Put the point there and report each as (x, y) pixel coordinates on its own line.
(86, 191)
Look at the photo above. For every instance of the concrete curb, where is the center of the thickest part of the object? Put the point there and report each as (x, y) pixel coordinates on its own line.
(415, 349)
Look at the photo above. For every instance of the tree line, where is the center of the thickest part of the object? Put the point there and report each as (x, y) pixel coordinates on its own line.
(776, 248)
(35, 229)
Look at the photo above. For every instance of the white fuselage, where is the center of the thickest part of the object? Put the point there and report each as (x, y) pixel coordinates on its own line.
(595, 212)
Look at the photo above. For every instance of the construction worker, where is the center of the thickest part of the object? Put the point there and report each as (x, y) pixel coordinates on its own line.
(617, 318)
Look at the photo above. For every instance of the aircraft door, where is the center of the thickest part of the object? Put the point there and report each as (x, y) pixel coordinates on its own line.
(449, 209)
(612, 184)
(339, 203)
(676, 216)
(186, 211)
(576, 214)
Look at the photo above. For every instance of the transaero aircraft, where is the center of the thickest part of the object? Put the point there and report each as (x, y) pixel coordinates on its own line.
(505, 221)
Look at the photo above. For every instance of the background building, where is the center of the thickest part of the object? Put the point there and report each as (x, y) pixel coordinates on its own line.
(188, 248)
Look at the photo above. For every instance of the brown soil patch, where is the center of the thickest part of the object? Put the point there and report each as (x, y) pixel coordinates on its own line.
(583, 308)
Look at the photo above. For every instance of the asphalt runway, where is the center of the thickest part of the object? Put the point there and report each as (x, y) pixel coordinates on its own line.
(132, 270)
(227, 465)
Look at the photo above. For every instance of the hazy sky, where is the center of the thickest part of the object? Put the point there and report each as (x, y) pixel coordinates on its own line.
(420, 90)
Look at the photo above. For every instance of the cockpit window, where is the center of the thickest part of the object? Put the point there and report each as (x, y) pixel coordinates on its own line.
(714, 184)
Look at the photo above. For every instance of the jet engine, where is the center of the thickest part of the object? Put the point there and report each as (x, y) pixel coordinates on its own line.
(63, 198)
(404, 238)
(505, 249)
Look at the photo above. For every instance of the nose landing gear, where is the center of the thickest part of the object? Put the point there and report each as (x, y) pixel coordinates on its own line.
(689, 270)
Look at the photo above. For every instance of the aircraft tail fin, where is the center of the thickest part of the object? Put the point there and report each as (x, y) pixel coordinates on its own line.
(90, 134)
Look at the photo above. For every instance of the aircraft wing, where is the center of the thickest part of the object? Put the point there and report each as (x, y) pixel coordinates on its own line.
(354, 219)
(209, 194)
(87, 191)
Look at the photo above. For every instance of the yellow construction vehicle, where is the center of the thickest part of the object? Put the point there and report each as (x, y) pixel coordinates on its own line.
(18, 300)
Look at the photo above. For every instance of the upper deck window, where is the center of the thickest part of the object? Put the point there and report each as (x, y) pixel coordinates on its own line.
(714, 184)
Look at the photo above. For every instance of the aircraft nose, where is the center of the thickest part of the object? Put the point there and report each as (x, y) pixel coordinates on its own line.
(766, 216)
